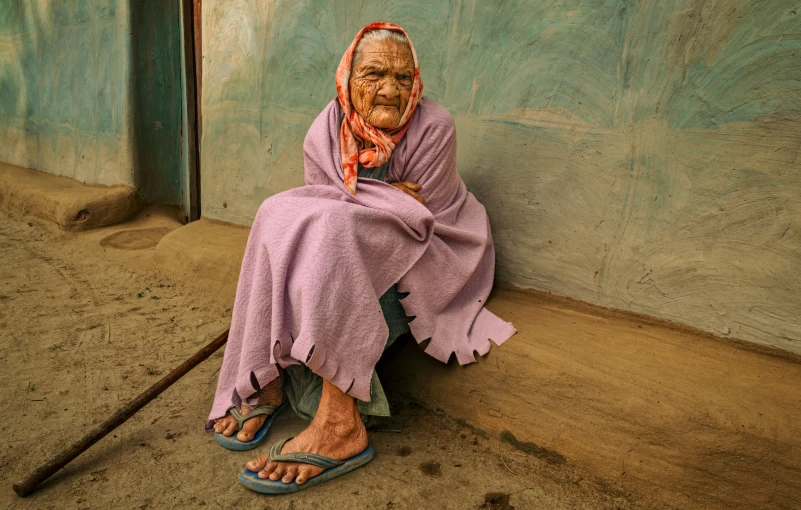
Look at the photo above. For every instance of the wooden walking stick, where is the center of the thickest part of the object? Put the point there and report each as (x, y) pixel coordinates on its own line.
(46, 470)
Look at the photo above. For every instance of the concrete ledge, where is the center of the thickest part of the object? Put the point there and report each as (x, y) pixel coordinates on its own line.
(66, 202)
(642, 404)
(639, 403)
(206, 252)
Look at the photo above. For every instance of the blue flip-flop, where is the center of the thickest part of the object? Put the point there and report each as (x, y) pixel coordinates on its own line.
(333, 469)
(232, 443)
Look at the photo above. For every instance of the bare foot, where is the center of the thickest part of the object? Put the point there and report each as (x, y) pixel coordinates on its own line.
(336, 431)
(272, 394)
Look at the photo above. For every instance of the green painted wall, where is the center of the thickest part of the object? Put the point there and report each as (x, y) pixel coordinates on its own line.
(91, 89)
(65, 104)
(637, 154)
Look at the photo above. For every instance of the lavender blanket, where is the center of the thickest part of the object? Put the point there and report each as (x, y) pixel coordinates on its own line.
(318, 258)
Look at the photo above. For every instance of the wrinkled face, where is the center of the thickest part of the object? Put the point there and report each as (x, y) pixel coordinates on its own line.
(381, 81)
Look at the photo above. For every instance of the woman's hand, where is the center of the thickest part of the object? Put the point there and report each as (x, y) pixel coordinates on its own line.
(411, 189)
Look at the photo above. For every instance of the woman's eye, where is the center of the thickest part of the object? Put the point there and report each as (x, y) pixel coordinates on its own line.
(404, 78)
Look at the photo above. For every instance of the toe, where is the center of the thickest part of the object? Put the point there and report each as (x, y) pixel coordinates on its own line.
(303, 475)
(268, 470)
(278, 472)
(221, 424)
(230, 428)
(250, 428)
(258, 463)
(290, 474)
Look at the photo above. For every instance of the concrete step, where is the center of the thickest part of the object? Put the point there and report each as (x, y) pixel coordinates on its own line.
(66, 202)
(206, 252)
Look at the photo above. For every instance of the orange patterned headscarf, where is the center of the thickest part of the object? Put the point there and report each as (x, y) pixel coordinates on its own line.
(355, 128)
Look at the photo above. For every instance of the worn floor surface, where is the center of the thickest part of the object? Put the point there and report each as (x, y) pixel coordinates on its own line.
(86, 325)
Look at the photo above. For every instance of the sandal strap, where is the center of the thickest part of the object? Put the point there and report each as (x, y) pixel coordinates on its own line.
(265, 410)
(306, 458)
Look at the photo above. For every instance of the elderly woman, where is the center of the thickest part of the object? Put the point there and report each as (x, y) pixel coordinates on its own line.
(384, 216)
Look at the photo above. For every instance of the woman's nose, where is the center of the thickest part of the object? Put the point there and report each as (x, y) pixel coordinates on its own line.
(389, 89)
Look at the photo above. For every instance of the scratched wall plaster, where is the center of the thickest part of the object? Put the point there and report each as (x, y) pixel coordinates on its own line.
(65, 90)
(635, 154)
(91, 89)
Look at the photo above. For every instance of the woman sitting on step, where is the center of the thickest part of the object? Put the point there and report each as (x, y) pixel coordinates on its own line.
(383, 239)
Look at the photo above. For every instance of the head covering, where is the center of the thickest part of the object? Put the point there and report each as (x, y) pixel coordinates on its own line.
(355, 128)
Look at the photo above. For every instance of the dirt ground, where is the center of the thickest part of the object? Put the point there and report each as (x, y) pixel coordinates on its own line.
(86, 324)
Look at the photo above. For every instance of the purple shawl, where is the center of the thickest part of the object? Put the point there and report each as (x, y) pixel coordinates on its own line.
(318, 259)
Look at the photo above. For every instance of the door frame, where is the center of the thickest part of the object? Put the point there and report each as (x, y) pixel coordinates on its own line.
(192, 43)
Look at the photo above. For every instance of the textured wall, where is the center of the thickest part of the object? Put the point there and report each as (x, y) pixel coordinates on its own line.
(636, 154)
(65, 88)
(91, 89)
